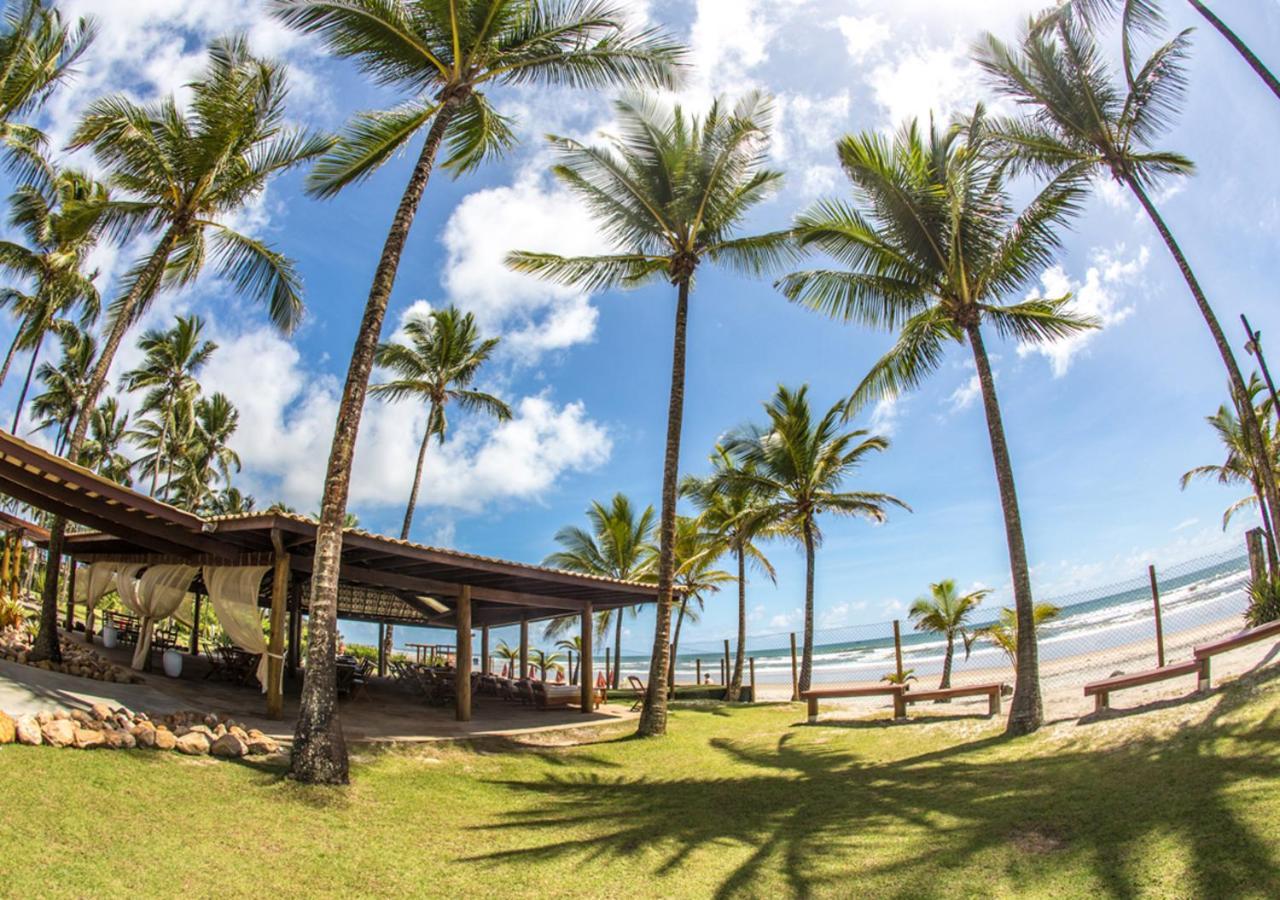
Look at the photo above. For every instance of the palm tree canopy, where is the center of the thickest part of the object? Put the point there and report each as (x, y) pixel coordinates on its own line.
(185, 171)
(1242, 462)
(725, 503)
(439, 360)
(438, 52)
(930, 245)
(697, 549)
(172, 359)
(799, 464)
(65, 382)
(945, 609)
(669, 191)
(108, 430)
(1004, 631)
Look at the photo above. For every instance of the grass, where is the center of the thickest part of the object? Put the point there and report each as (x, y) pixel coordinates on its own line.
(734, 802)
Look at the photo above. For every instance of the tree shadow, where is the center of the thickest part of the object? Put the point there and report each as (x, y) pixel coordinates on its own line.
(823, 815)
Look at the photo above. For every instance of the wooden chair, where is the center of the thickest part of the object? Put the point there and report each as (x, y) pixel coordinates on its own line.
(641, 694)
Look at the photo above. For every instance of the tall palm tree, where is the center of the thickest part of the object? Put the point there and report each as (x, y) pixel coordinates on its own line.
(672, 192)
(444, 56)
(796, 466)
(933, 248)
(573, 646)
(436, 365)
(172, 358)
(724, 502)
(946, 611)
(38, 51)
(209, 459)
(58, 235)
(542, 660)
(65, 385)
(1078, 123)
(228, 502)
(697, 550)
(619, 545)
(1145, 17)
(182, 174)
(511, 655)
(108, 432)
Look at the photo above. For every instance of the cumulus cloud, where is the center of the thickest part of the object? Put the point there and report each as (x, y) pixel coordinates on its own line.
(964, 396)
(862, 34)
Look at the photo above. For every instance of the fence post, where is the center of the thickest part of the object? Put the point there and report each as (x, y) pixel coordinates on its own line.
(723, 679)
(754, 698)
(795, 678)
(897, 647)
(1257, 562)
(697, 668)
(1155, 601)
(728, 666)
(671, 667)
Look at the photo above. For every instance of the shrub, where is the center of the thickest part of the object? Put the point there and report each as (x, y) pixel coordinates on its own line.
(1264, 601)
(12, 614)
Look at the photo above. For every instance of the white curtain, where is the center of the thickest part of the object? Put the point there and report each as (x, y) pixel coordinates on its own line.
(159, 593)
(233, 591)
(127, 586)
(91, 584)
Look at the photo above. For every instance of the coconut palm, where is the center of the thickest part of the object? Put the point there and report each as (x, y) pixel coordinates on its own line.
(1004, 631)
(946, 611)
(697, 550)
(440, 358)
(1145, 17)
(58, 236)
(65, 385)
(572, 646)
(511, 655)
(172, 359)
(933, 248)
(108, 432)
(208, 459)
(672, 192)
(445, 57)
(619, 545)
(183, 174)
(724, 503)
(228, 502)
(1078, 123)
(38, 51)
(796, 467)
(542, 660)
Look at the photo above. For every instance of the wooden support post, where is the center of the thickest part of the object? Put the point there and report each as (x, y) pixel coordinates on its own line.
(295, 629)
(277, 625)
(728, 667)
(382, 650)
(588, 688)
(573, 676)
(754, 699)
(1155, 601)
(462, 677)
(71, 599)
(485, 663)
(795, 678)
(1257, 560)
(697, 670)
(194, 646)
(608, 672)
(897, 647)
(524, 648)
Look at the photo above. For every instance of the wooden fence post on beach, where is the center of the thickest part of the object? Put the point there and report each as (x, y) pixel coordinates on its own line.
(754, 698)
(897, 647)
(795, 677)
(1155, 601)
(697, 669)
(728, 666)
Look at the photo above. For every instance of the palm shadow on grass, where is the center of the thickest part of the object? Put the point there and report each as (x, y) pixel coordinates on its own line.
(822, 816)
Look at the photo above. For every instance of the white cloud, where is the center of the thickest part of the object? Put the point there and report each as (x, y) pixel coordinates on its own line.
(937, 80)
(964, 396)
(885, 415)
(1097, 296)
(862, 34)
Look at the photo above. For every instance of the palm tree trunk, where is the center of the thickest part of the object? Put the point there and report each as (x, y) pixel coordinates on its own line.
(1027, 710)
(653, 718)
(806, 656)
(159, 456)
(8, 357)
(26, 384)
(1248, 416)
(46, 645)
(417, 479)
(1241, 47)
(675, 645)
(617, 648)
(735, 682)
(319, 749)
(946, 662)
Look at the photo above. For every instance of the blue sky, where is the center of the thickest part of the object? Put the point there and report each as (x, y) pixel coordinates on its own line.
(1099, 430)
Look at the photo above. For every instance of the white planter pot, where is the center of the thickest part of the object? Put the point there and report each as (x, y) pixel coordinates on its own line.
(110, 637)
(173, 663)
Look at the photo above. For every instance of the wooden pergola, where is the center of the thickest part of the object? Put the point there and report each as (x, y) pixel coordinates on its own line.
(382, 579)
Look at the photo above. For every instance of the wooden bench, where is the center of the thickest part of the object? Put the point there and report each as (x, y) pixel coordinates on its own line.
(1101, 690)
(812, 696)
(992, 691)
(555, 696)
(1250, 635)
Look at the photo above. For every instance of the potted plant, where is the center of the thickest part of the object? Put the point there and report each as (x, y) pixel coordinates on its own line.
(110, 636)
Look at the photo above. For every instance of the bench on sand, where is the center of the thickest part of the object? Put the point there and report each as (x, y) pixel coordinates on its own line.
(901, 696)
(1198, 665)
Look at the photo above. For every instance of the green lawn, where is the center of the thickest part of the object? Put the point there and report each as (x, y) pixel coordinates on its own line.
(742, 801)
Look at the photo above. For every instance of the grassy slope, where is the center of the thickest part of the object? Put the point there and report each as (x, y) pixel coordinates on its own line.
(736, 802)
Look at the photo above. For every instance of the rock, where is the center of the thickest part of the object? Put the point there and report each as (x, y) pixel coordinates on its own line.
(203, 729)
(144, 734)
(8, 729)
(165, 739)
(229, 747)
(59, 733)
(61, 715)
(82, 718)
(262, 745)
(193, 743)
(238, 732)
(115, 739)
(89, 738)
(43, 718)
(219, 731)
(28, 731)
(127, 740)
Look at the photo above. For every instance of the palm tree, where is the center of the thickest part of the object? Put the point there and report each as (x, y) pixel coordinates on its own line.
(38, 51)
(59, 236)
(209, 459)
(796, 466)
(510, 654)
(108, 431)
(697, 550)
(445, 56)
(946, 611)
(543, 661)
(617, 546)
(65, 385)
(672, 191)
(172, 360)
(724, 502)
(572, 646)
(1145, 17)
(228, 502)
(436, 365)
(1079, 124)
(1004, 631)
(182, 174)
(934, 249)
